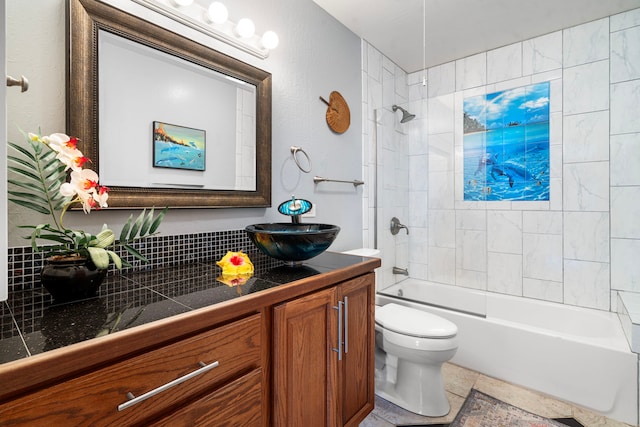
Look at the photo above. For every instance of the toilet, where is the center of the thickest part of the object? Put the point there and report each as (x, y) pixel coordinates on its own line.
(411, 346)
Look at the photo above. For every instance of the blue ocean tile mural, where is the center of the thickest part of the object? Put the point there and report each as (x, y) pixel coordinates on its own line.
(506, 145)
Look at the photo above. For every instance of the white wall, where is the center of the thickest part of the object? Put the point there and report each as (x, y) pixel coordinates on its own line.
(316, 55)
(581, 246)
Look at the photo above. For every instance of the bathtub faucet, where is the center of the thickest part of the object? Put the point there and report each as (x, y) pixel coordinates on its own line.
(395, 226)
(398, 270)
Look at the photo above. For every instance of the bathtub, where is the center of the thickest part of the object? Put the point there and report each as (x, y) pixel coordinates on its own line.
(574, 354)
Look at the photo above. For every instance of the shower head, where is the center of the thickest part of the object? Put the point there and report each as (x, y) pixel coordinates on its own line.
(406, 116)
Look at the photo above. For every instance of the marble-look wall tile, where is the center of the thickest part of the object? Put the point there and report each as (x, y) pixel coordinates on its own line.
(441, 190)
(586, 137)
(556, 123)
(542, 289)
(504, 273)
(625, 107)
(471, 250)
(441, 153)
(555, 194)
(586, 43)
(471, 220)
(586, 88)
(418, 209)
(555, 161)
(542, 53)
(586, 236)
(442, 229)
(442, 265)
(419, 271)
(542, 256)
(388, 88)
(625, 20)
(625, 212)
(471, 279)
(471, 71)
(625, 158)
(504, 231)
(625, 55)
(442, 79)
(625, 268)
(586, 186)
(504, 63)
(441, 114)
(419, 252)
(374, 63)
(586, 284)
(542, 222)
(417, 167)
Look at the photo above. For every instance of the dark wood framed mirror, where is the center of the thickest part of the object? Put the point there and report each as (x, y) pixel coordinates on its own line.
(122, 148)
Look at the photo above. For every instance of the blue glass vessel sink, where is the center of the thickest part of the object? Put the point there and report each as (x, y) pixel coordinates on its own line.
(291, 242)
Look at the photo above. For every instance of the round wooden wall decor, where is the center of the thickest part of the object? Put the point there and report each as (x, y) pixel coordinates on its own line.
(338, 114)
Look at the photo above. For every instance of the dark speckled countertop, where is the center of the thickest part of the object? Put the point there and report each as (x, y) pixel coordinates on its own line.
(31, 322)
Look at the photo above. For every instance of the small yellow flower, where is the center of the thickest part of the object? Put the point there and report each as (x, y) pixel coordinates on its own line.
(235, 263)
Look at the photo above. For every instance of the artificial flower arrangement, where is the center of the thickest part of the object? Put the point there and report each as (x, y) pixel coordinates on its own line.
(43, 169)
(237, 268)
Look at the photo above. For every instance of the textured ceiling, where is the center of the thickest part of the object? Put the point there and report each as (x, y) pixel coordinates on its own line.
(459, 28)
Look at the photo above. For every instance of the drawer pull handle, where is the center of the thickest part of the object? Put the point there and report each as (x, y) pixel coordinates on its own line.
(135, 400)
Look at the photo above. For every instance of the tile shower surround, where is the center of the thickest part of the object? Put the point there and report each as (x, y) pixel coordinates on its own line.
(24, 265)
(581, 247)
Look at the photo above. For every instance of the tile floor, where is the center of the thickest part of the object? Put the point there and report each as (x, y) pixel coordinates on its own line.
(459, 381)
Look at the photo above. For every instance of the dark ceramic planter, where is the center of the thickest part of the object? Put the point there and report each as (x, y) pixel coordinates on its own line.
(71, 279)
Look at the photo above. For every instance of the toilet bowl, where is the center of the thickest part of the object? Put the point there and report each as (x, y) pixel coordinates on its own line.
(411, 346)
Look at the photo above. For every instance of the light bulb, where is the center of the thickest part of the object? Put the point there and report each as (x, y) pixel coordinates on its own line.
(245, 28)
(180, 3)
(217, 12)
(270, 40)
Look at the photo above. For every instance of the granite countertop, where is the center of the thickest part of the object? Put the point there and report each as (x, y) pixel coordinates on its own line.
(32, 323)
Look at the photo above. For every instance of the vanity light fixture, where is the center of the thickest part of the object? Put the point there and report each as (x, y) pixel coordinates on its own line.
(213, 21)
(217, 13)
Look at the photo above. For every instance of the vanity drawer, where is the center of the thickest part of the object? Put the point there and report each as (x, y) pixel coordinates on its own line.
(94, 398)
(235, 404)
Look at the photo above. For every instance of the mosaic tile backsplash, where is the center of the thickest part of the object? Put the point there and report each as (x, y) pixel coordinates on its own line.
(161, 251)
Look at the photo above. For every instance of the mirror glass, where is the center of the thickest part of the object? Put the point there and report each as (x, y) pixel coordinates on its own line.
(165, 120)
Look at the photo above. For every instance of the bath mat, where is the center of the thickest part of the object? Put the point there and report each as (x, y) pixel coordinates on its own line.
(482, 410)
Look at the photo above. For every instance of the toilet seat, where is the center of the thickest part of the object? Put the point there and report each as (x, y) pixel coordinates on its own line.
(414, 323)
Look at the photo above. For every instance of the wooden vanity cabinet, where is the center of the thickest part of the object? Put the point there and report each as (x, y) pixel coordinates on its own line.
(323, 356)
(301, 354)
(223, 384)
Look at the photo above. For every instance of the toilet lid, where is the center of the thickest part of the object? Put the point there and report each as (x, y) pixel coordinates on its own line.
(413, 322)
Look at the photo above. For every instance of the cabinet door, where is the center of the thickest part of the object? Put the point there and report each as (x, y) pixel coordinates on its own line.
(305, 364)
(356, 371)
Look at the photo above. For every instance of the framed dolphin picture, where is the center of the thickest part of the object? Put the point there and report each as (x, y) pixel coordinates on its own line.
(506, 145)
(178, 147)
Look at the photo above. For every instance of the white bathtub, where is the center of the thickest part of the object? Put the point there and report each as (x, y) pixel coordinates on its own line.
(575, 354)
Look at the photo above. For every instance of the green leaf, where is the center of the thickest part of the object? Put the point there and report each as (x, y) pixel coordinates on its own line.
(23, 162)
(147, 223)
(25, 185)
(136, 226)
(135, 253)
(158, 220)
(24, 173)
(125, 229)
(22, 150)
(99, 256)
(32, 206)
(28, 196)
